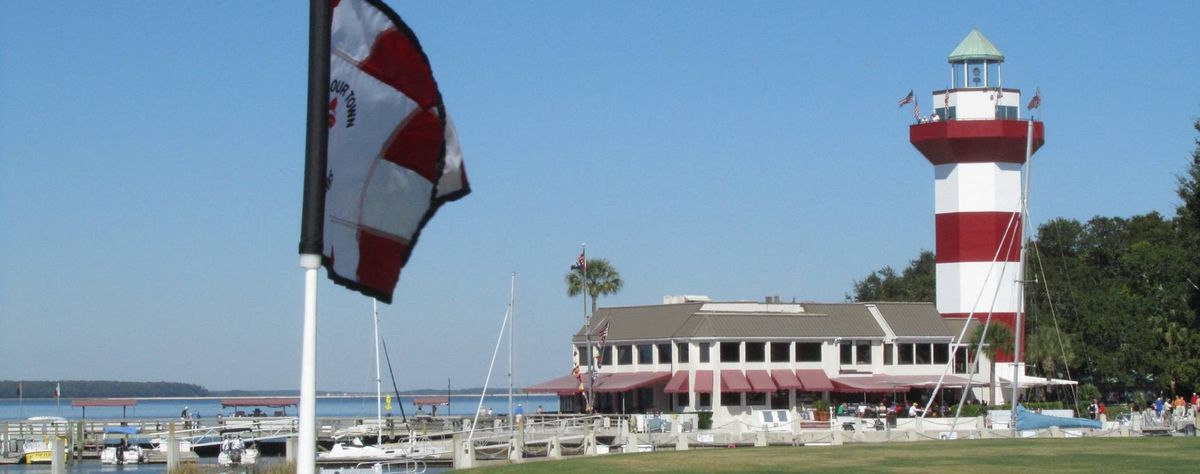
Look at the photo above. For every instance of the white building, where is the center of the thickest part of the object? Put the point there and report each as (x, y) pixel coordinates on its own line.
(731, 358)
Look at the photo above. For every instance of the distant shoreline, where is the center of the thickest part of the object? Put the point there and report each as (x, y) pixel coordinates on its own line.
(325, 396)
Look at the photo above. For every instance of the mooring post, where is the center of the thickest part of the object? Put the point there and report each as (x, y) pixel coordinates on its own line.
(58, 462)
(82, 440)
(290, 447)
(172, 448)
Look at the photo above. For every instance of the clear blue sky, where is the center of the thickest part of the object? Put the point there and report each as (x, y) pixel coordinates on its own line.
(151, 156)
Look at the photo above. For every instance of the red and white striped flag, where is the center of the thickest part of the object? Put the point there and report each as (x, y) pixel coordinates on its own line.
(57, 390)
(1036, 101)
(907, 99)
(393, 153)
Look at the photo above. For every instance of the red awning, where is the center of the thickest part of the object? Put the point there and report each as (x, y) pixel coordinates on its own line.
(431, 401)
(622, 382)
(814, 380)
(869, 384)
(565, 385)
(259, 402)
(760, 381)
(678, 383)
(734, 381)
(786, 379)
(704, 381)
(103, 402)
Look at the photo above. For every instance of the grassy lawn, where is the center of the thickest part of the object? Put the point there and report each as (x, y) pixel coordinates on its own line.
(1105, 455)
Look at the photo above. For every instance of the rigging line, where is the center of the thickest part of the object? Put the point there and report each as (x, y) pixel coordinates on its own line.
(1037, 251)
(403, 416)
(488, 379)
(962, 333)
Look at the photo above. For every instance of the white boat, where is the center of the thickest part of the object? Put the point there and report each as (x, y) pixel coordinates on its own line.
(117, 455)
(235, 453)
(125, 452)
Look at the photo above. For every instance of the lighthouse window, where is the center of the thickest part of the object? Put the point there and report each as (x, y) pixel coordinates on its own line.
(730, 352)
(941, 353)
(1006, 112)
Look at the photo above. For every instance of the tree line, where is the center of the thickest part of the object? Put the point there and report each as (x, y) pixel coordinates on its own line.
(98, 389)
(1116, 302)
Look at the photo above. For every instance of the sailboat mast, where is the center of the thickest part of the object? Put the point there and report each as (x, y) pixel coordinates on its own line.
(378, 386)
(1018, 327)
(512, 292)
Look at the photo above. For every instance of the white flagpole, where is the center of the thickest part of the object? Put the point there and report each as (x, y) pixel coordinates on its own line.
(512, 292)
(378, 384)
(1017, 327)
(306, 459)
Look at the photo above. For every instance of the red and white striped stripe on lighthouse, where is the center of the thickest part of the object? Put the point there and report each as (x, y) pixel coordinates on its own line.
(977, 150)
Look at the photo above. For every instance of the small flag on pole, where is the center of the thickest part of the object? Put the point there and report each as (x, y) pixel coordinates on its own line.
(603, 333)
(57, 390)
(20, 390)
(580, 263)
(917, 110)
(1036, 101)
(907, 99)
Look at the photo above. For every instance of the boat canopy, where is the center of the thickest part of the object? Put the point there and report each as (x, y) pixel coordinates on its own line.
(128, 430)
(431, 401)
(259, 402)
(103, 402)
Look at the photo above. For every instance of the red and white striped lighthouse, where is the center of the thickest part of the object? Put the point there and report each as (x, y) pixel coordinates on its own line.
(976, 142)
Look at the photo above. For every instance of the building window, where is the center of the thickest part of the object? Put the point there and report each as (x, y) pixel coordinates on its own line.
(962, 357)
(645, 354)
(681, 400)
(781, 351)
(683, 351)
(624, 355)
(941, 353)
(1006, 112)
(756, 352)
(924, 354)
(756, 398)
(729, 352)
(808, 352)
(704, 346)
(583, 355)
(606, 355)
(779, 399)
(862, 352)
(664, 353)
(731, 399)
(847, 351)
(888, 357)
(906, 354)
(705, 400)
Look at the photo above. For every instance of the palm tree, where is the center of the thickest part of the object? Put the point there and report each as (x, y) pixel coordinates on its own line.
(999, 337)
(602, 279)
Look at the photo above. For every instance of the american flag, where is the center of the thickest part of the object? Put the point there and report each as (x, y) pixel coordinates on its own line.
(917, 110)
(580, 263)
(603, 333)
(907, 99)
(1036, 101)
(57, 390)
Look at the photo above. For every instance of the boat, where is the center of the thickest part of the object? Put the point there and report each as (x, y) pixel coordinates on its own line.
(234, 452)
(121, 451)
(38, 450)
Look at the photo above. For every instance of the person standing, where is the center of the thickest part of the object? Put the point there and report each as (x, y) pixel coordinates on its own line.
(1094, 409)
(1158, 407)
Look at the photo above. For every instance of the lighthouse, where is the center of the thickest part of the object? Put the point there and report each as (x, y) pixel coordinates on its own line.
(976, 142)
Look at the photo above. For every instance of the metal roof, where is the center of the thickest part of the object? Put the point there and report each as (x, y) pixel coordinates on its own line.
(914, 320)
(689, 320)
(975, 46)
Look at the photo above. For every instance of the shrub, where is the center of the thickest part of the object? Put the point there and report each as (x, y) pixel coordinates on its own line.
(704, 420)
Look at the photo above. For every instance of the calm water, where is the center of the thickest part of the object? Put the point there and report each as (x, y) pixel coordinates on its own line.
(158, 408)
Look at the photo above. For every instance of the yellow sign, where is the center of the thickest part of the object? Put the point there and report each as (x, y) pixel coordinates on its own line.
(387, 402)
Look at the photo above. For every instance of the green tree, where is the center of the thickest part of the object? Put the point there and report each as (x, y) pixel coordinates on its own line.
(998, 340)
(602, 279)
(915, 283)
